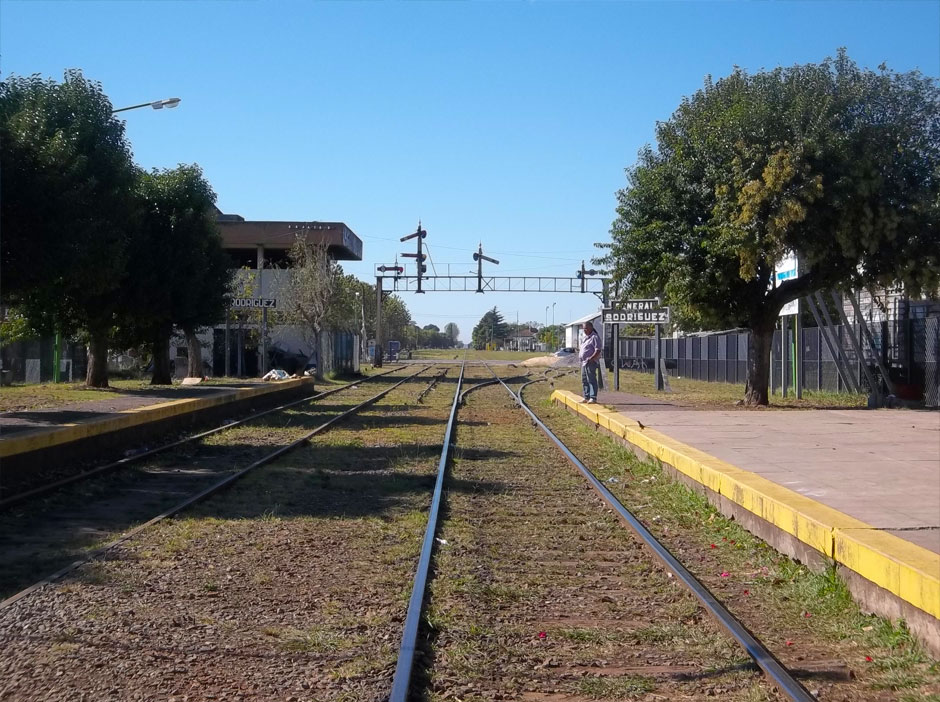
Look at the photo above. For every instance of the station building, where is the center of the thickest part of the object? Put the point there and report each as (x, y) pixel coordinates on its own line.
(259, 256)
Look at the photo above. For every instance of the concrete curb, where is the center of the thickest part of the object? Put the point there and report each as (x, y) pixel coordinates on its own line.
(137, 416)
(886, 565)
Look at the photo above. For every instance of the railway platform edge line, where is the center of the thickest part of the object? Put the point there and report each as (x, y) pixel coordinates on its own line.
(126, 419)
(905, 570)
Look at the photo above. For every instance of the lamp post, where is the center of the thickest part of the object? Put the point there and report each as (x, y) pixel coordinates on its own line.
(546, 321)
(363, 352)
(553, 326)
(169, 103)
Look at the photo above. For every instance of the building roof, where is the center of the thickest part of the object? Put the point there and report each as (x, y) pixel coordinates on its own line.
(586, 318)
(237, 233)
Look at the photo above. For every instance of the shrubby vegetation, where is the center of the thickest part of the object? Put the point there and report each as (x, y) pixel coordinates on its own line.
(837, 164)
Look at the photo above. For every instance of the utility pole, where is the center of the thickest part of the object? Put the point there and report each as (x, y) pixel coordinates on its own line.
(377, 359)
(379, 299)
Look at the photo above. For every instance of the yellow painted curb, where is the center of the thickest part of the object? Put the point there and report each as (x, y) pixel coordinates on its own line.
(136, 416)
(906, 570)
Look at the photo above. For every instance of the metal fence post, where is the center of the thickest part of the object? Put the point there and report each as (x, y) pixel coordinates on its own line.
(658, 373)
(798, 353)
(616, 331)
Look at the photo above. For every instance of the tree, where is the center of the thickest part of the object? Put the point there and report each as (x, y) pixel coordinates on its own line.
(431, 328)
(311, 288)
(177, 273)
(396, 319)
(837, 164)
(490, 328)
(452, 331)
(68, 207)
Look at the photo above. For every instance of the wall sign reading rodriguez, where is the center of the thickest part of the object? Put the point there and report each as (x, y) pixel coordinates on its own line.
(253, 302)
(637, 312)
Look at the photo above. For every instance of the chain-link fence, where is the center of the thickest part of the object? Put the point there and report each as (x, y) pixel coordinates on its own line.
(926, 357)
(723, 358)
(33, 361)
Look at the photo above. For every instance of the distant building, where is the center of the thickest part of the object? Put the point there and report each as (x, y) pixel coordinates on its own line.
(573, 333)
(522, 340)
(259, 251)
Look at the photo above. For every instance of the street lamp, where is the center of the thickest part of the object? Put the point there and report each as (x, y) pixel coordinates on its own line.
(546, 323)
(553, 325)
(363, 352)
(169, 103)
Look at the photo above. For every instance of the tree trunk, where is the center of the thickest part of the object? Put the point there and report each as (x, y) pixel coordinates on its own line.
(759, 345)
(161, 361)
(96, 376)
(194, 369)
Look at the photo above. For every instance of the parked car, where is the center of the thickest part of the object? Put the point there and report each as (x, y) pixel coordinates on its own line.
(566, 351)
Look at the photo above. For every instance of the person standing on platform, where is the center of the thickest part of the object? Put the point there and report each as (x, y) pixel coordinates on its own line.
(590, 354)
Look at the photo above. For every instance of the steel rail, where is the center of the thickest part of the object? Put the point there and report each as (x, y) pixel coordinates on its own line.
(771, 666)
(434, 381)
(406, 654)
(207, 492)
(43, 489)
(483, 384)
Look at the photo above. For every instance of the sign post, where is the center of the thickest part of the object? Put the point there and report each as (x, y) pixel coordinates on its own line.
(788, 268)
(640, 311)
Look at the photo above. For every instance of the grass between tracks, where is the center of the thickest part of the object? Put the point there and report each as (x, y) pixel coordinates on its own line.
(290, 584)
(800, 614)
(475, 355)
(541, 594)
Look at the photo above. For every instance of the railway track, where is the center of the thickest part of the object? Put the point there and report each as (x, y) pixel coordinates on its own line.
(49, 487)
(54, 536)
(300, 581)
(503, 592)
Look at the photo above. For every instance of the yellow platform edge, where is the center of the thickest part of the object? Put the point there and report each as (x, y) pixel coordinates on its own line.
(136, 416)
(906, 570)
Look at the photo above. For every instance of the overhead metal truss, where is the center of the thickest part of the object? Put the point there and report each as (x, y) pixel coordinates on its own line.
(495, 283)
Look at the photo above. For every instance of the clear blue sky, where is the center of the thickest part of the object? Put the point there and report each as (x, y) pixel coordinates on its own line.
(507, 122)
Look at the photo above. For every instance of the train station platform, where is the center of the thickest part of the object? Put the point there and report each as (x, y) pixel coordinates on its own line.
(30, 438)
(858, 488)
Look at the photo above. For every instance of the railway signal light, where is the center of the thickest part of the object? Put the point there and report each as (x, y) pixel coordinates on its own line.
(582, 274)
(391, 269)
(420, 235)
(480, 258)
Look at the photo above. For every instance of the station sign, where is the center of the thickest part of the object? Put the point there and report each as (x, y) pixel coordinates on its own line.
(253, 303)
(787, 268)
(646, 311)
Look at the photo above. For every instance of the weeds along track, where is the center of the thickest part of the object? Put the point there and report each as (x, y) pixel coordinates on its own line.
(47, 481)
(296, 582)
(292, 583)
(40, 536)
(541, 594)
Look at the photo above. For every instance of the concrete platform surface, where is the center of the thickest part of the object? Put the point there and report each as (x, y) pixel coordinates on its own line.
(19, 423)
(879, 466)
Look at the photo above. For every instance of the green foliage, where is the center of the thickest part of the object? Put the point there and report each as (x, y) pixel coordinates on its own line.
(836, 163)
(177, 273)
(15, 327)
(68, 208)
(490, 328)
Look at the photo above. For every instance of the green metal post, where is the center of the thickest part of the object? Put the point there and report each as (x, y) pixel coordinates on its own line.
(56, 355)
